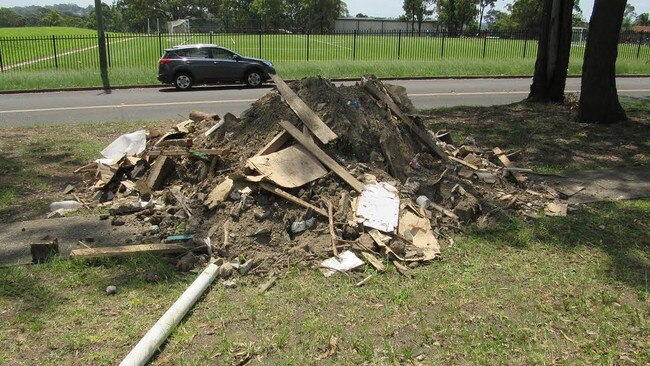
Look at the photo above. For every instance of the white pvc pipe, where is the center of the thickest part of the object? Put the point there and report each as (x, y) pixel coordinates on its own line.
(148, 345)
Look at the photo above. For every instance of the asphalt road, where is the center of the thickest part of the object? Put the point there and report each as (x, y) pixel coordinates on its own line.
(165, 103)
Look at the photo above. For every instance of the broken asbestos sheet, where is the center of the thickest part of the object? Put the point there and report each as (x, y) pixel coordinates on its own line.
(129, 144)
(289, 168)
(378, 206)
(418, 230)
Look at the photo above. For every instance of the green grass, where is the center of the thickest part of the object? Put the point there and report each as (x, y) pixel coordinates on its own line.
(121, 76)
(44, 31)
(567, 290)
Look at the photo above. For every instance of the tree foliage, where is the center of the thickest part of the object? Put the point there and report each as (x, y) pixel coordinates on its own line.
(416, 11)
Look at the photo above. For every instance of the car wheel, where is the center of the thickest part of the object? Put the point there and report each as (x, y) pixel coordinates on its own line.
(183, 81)
(254, 78)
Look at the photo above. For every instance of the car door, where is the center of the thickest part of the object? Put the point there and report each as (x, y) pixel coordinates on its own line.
(198, 61)
(227, 67)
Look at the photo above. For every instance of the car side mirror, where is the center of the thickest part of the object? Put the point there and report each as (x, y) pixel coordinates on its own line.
(236, 57)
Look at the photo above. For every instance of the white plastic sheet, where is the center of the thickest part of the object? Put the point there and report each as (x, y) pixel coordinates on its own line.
(346, 261)
(378, 207)
(129, 144)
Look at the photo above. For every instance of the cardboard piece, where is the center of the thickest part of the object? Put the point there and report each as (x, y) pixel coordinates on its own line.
(418, 230)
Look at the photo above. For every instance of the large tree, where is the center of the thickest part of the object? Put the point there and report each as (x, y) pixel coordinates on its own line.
(456, 14)
(415, 11)
(482, 4)
(598, 95)
(552, 52)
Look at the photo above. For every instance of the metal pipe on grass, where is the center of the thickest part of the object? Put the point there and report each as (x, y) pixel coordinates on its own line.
(149, 344)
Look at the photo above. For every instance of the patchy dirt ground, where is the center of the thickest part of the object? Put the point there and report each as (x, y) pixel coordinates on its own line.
(548, 137)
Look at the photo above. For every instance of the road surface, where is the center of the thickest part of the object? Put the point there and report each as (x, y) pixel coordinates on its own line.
(165, 103)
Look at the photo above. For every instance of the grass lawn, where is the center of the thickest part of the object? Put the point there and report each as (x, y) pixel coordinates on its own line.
(31, 62)
(569, 290)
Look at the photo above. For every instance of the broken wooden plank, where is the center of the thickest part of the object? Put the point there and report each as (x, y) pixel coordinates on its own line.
(308, 117)
(508, 164)
(291, 198)
(175, 142)
(374, 261)
(159, 171)
(127, 249)
(424, 137)
(330, 219)
(219, 193)
(275, 144)
(184, 152)
(322, 156)
(463, 162)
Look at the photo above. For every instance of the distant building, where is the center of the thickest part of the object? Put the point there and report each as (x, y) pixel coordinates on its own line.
(382, 25)
(641, 28)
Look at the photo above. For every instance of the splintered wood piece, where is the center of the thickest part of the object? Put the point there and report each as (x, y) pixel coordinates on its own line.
(322, 156)
(508, 164)
(374, 261)
(291, 198)
(330, 218)
(159, 171)
(127, 249)
(183, 152)
(463, 162)
(424, 137)
(308, 117)
(275, 144)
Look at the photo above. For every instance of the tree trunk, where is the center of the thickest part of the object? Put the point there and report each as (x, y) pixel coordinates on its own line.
(552, 52)
(598, 96)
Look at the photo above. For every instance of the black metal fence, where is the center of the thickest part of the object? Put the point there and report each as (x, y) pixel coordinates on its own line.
(143, 50)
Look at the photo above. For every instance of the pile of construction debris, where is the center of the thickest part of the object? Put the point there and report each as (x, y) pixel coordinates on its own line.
(312, 173)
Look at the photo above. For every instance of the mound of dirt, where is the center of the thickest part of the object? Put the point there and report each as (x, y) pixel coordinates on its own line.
(197, 181)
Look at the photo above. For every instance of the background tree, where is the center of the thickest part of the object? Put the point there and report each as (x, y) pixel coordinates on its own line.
(526, 15)
(497, 20)
(642, 19)
(628, 16)
(598, 95)
(456, 15)
(9, 18)
(482, 4)
(553, 50)
(416, 10)
(361, 15)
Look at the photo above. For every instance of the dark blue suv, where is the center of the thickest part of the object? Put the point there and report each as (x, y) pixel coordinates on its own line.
(188, 65)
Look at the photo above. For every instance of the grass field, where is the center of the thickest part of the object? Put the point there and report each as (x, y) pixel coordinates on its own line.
(558, 290)
(144, 50)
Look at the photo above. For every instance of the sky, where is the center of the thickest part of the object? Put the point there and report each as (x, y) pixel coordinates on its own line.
(375, 8)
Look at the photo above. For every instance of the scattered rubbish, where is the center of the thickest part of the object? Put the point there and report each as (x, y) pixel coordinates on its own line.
(364, 281)
(130, 144)
(42, 252)
(378, 207)
(302, 225)
(111, 290)
(267, 285)
(556, 209)
(65, 205)
(229, 284)
(345, 262)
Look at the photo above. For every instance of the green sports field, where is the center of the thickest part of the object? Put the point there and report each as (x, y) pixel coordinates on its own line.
(45, 55)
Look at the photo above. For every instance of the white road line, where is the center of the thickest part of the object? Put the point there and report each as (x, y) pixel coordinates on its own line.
(116, 106)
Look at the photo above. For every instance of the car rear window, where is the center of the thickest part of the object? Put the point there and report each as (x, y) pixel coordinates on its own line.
(188, 52)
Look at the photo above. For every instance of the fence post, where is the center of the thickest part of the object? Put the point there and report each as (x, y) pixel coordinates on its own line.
(210, 37)
(108, 50)
(160, 43)
(638, 50)
(484, 42)
(354, 46)
(308, 33)
(2, 69)
(399, 43)
(525, 43)
(442, 47)
(56, 59)
(260, 43)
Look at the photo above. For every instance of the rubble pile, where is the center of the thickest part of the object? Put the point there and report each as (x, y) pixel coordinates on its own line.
(311, 172)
